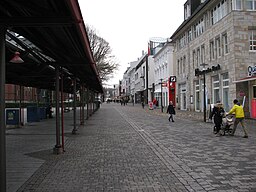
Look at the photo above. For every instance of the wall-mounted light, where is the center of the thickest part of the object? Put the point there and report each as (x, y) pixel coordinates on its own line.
(16, 58)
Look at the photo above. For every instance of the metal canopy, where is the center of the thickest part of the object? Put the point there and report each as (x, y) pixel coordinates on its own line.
(48, 34)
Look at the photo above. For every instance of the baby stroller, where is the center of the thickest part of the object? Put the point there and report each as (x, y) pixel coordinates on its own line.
(227, 125)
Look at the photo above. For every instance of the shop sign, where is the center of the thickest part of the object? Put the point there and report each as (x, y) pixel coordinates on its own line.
(208, 70)
(241, 93)
(251, 70)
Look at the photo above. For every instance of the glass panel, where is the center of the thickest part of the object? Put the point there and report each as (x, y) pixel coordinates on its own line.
(249, 4)
(225, 83)
(225, 76)
(254, 92)
(197, 101)
(216, 78)
(216, 95)
(216, 84)
(238, 4)
(225, 99)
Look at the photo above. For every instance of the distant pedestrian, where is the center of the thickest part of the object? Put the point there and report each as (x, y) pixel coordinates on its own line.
(239, 117)
(142, 104)
(49, 111)
(154, 103)
(171, 111)
(217, 114)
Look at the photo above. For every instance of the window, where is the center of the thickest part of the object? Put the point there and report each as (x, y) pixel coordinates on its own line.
(220, 11)
(237, 4)
(181, 65)
(197, 96)
(212, 50)
(202, 54)
(254, 92)
(199, 28)
(194, 59)
(178, 66)
(225, 43)
(198, 58)
(216, 88)
(218, 47)
(190, 35)
(182, 41)
(225, 90)
(252, 40)
(184, 64)
(250, 4)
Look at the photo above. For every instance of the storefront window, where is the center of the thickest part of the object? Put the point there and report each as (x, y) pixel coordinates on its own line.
(216, 89)
(197, 96)
(225, 90)
(254, 92)
(183, 99)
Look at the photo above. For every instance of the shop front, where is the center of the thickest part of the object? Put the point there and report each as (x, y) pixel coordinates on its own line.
(246, 92)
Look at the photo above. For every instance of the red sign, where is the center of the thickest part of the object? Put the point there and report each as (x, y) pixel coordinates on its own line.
(241, 93)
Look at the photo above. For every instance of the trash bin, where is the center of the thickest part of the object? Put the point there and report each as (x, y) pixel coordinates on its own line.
(43, 114)
(12, 117)
(33, 114)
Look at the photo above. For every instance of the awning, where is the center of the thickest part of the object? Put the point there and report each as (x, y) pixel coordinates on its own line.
(48, 34)
(245, 79)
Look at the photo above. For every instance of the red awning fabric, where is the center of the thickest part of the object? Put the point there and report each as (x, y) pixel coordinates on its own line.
(245, 79)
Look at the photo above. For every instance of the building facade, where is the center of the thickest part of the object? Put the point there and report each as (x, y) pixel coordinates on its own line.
(215, 50)
(164, 68)
(141, 80)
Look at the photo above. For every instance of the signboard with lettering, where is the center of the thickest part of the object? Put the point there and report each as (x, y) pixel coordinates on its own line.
(208, 70)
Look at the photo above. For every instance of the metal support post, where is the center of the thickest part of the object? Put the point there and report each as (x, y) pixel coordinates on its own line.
(57, 149)
(204, 99)
(74, 107)
(161, 95)
(2, 112)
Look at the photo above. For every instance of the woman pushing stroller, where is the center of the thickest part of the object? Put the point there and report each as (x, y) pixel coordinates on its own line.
(217, 114)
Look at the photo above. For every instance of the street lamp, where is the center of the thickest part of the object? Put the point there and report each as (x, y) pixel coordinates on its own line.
(161, 95)
(204, 71)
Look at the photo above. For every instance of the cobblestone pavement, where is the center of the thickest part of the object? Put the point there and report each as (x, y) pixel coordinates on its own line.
(127, 148)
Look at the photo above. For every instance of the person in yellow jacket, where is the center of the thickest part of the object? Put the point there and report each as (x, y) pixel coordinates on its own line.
(239, 114)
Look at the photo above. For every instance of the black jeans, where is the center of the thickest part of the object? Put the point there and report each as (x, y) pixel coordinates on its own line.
(171, 118)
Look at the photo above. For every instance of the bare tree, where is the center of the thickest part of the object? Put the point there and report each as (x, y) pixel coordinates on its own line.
(102, 53)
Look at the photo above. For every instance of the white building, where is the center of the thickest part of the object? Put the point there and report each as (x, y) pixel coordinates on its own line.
(164, 68)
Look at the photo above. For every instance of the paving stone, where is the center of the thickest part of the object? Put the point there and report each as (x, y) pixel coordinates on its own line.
(127, 148)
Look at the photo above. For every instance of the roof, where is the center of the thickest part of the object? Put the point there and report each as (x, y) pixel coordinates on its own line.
(198, 9)
(48, 34)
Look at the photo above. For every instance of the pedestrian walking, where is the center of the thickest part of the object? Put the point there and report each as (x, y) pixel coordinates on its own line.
(142, 104)
(238, 110)
(171, 111)
(217, 114)
(154, 103)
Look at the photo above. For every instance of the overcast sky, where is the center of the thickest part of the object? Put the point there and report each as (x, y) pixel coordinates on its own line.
(128, 25)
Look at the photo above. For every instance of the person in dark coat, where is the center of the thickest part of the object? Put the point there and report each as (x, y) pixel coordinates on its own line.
(49, 110)
(217, 114)
(171, 111)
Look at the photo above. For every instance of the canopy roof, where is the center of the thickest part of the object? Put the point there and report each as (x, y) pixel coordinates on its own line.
(48, 34)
